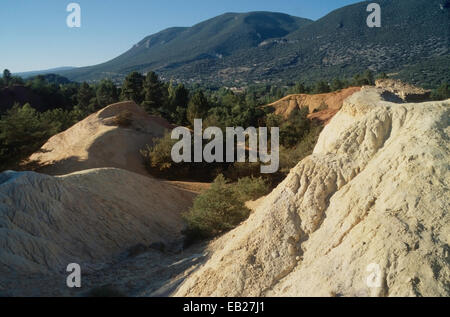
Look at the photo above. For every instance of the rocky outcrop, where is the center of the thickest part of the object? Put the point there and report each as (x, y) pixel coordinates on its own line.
(404, 91)
(89, 218)
(315, 103)
(372, 199)
(101, 140)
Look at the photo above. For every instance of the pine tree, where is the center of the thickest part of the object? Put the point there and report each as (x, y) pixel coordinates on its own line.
(85, 96)
(442, 92)
(383, 75)
(321, 87)
(178, 96)
(22, 132)
(132, 88)
(368, 74)
(300, 88)
(153, 92)
(7, 77)
(106, 93)
(198, 107)
(178, 103)
(337, 84)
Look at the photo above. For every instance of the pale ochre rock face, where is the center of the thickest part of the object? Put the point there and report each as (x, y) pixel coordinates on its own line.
(375, 192)
(86, 217)
(332, 100)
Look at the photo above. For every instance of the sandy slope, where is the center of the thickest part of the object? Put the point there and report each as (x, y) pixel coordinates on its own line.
(89, 217)
(101, 209)
(375, 192)
(98, 142)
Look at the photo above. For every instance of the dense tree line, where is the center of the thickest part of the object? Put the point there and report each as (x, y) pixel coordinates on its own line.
(66, 103)
(23, 129)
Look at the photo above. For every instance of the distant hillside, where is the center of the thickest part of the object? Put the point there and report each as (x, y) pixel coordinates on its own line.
(43, 72)
(230, 34)
(236, 49)
(52, 79)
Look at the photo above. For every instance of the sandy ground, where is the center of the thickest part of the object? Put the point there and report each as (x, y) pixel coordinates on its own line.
(94, 217)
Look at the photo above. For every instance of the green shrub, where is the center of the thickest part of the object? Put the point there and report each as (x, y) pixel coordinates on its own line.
(293, 128)
(23, 131)
(63, 119)
(442, 92)
(239, 170)
(290, 157)
(215, 211)
(158, 161)
(123, 119)
(322, 87)
(251, 188)
(158, 157)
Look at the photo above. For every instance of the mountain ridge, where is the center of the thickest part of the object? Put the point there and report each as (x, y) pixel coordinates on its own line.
(221, 32)
(267, 47)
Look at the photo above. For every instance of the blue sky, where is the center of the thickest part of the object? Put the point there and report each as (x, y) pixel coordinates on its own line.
(34, 34)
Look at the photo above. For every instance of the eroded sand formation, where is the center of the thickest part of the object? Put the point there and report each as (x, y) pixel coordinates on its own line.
(375, 191)
(88, 217)
(321, 106)
(98, 141)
